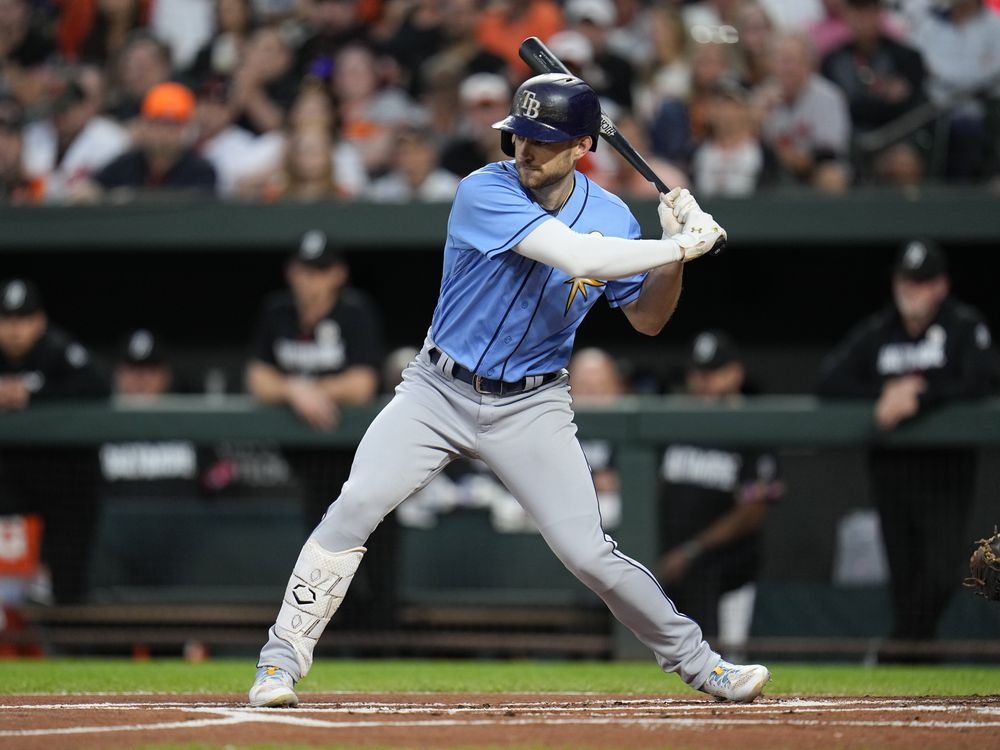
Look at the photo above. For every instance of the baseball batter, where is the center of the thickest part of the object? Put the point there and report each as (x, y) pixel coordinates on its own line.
(532, 244)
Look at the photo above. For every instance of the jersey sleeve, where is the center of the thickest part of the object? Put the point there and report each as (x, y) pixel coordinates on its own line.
(492, 213)
(849, 370)
(620, 292)
(73, 373)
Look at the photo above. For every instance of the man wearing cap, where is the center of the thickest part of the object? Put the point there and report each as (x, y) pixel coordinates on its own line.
(925, 349)
(484, 99)
(40, 362)
(714, 502)
(163, 157)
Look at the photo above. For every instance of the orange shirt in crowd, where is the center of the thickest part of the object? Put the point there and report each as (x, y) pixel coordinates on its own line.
(501, 29)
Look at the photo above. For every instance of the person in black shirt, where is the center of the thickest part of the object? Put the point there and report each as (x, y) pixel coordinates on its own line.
(40, 362)
(319, 343)
(163, 158)
(714, 502)
(925, 349)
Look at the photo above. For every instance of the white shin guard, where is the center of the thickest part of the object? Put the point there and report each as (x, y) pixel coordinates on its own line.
(317, 587)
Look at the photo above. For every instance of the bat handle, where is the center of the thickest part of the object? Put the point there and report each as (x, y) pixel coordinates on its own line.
(718, 247)
(660, 187)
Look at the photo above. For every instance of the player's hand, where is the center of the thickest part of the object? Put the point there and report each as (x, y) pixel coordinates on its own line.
(13, 394)
(673, 566)
(698, 235)
(899, 400)
(312, 404)
(674, 209)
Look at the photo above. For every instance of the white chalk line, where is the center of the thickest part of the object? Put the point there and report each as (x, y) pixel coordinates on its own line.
(227, 715)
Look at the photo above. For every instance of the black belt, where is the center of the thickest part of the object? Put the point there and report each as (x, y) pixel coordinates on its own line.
(490, 387)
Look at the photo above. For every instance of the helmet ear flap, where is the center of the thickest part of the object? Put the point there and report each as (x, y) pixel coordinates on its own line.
(507, 142)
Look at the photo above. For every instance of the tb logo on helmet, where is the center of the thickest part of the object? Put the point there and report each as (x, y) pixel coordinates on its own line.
(529, 105)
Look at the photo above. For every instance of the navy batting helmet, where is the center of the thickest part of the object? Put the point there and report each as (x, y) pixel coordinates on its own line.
(549, 108)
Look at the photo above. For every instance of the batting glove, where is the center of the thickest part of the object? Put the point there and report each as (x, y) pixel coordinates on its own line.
(698, 235)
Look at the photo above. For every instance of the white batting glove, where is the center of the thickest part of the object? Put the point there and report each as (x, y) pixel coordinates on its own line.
(668, 221)
(698, 235)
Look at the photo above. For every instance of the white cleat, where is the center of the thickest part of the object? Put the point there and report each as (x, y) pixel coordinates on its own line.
(735, 682)
(273, 687)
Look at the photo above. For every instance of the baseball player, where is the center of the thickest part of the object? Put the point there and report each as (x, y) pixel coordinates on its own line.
(532, 244)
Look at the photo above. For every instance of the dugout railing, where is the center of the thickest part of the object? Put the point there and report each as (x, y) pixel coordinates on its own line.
(503, 594)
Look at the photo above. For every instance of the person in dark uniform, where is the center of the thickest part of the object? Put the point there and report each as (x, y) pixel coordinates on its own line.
(925, 349)
(318, 345)
(714, 502)
(40, 362)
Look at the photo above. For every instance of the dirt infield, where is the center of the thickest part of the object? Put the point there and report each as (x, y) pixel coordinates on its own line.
(425, 720)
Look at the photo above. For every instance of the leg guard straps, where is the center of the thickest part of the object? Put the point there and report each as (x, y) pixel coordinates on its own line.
(317, 587)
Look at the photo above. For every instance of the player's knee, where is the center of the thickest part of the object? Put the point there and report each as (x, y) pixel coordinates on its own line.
(595, 567)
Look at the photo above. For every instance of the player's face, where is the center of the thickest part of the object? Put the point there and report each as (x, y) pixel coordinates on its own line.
(142, 380)
(715, 383)
(541, 166)
(18, 333)
(919, 301)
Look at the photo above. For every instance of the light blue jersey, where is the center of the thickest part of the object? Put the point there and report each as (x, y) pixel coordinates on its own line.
(505, 316)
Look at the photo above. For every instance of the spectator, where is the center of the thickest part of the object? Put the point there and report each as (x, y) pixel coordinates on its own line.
(410, 33)
(143, 62)
(314, 105)
(667, 74)
(416, 174)
(613, 76)
(15, 186)
(111, 28)
(25, 52)
(805, 118)
(331, 25)
(731, 161)
(484, 100)
(40, 362)
(184, 26)
(265, 83)
(308, 173)
(74, 141)
(882, 79)
(458, 51)
(714, 505)
(163, 158)
(755, 39)
(923, 350)
(832, 29)
(961, 51)
(221, 54)
(238, 156)
(630, 37)
(503, 26)
(370, 110)
(678, 126)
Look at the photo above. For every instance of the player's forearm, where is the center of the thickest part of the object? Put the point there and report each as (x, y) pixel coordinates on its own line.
(356, 385)
(593, 256)
(267, 383)
(657, 301)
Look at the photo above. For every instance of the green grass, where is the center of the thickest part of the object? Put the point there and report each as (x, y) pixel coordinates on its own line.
(234, 676)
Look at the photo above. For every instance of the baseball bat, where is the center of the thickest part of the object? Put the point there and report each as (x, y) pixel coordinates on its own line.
(542, 60)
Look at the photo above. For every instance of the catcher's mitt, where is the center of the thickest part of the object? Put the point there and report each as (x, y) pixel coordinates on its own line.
(984, 565)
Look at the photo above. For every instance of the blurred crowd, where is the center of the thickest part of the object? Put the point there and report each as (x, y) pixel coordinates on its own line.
(393, 100)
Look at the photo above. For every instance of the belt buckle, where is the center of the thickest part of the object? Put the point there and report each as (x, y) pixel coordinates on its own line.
(477, 381)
